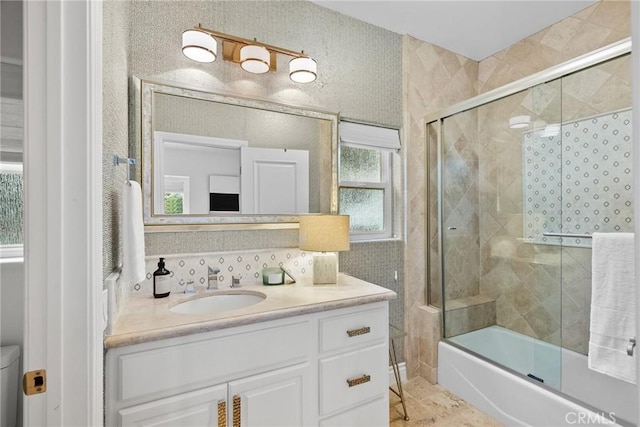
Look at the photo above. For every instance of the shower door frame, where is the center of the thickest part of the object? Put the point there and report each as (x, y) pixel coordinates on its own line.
(606, 53)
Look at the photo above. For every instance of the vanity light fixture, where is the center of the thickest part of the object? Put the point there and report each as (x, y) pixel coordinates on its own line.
(255, 59)
(200, 44)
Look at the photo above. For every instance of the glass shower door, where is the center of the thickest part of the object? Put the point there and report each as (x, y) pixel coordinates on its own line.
(523, 181)
(500, 192)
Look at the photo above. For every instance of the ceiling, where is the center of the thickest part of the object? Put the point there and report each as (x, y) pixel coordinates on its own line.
(475, 29)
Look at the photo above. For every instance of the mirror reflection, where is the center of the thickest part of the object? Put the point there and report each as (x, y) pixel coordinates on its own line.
(213, 158)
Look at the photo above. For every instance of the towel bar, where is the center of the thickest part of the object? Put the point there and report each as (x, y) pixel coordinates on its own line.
(578, 236)
(631, 346)
(117, 161)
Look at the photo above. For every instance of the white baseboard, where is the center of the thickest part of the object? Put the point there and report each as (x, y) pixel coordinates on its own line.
(402, 367)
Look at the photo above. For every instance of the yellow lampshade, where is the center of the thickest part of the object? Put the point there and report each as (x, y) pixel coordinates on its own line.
(324, 233)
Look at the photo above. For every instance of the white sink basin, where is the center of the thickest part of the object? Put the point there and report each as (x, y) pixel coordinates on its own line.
(219, 302)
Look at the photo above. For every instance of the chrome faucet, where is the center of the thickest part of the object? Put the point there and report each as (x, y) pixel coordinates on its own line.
(235, 281)
(213, 278)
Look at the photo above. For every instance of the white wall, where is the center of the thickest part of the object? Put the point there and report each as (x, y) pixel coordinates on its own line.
(12, 311)
(198, 164)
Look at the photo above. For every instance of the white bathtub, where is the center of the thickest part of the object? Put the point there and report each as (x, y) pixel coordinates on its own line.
(514, 400)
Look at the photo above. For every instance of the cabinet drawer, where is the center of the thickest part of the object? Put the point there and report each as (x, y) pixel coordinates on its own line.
(352, 329)
(372, 414)
(350, 378)
(180, 367)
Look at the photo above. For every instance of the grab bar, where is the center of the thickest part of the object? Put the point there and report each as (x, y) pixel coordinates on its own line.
(576, 236)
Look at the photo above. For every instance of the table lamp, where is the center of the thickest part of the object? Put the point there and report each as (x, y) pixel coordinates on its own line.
(326, 234)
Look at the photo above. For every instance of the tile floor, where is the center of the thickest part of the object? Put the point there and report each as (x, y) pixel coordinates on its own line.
(432, 405)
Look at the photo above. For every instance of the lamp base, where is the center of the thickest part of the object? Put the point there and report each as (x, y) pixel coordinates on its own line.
(325, 269)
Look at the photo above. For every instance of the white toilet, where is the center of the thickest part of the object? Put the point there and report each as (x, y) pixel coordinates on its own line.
(9, 385)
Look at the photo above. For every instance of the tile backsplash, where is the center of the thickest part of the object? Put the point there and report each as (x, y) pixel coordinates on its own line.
(246, 263)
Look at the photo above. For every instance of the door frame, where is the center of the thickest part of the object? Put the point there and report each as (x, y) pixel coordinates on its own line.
(63, 210)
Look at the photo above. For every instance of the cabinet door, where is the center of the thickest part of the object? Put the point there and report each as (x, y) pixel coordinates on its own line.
(206, 407)
(272, 399)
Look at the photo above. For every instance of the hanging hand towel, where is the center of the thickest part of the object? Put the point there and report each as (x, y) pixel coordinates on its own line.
(613, 305)
(132, 232)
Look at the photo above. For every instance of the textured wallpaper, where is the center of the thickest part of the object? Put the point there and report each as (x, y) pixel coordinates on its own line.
(115, 122)
(359, 77)
(359, 65)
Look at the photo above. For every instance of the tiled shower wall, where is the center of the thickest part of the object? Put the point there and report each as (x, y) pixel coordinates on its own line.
(142, 38)
(433, 80)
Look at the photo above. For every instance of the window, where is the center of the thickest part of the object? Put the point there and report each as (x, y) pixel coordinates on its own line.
(176, 194)
(11, 210)
(365, 179)
(11, 148)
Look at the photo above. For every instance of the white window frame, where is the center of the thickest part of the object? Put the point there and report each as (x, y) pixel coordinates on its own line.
(385, 184)
(11, 251)
(177, 184)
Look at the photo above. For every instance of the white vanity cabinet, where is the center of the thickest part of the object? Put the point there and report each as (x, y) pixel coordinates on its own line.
(326, 368)
(353, 368)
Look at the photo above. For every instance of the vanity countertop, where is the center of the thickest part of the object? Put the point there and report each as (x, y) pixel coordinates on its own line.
(144, 318)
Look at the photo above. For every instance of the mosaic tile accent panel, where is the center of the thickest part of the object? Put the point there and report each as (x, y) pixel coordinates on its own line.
(579, 179)
(247, 264)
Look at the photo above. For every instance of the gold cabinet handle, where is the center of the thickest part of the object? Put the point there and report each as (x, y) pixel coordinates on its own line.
(222, 413)
(236, 410)
(359, 331)
(360, 380)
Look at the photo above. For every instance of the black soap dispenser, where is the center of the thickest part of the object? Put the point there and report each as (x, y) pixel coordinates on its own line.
(161, 281)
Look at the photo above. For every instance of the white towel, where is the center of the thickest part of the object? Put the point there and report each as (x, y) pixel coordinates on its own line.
(613, 307)
(132, 234)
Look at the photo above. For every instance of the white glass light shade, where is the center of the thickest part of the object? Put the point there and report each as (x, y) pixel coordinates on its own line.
(199, 46)
(255, 59)
(519, 122)
(303, 70)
